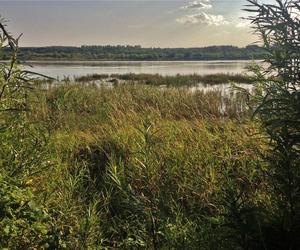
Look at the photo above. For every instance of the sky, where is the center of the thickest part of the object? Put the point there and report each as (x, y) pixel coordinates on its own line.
(149, 23)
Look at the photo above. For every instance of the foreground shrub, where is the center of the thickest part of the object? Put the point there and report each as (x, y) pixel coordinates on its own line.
(23, 224)
(276, 104)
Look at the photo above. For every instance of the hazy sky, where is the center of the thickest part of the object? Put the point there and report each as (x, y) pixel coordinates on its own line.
(168, 23)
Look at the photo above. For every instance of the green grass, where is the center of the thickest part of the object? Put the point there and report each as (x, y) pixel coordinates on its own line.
(137, 167)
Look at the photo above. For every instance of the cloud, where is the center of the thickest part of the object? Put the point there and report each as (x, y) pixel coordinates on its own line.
(198, 16)
(203, 4)
(203, 18)
(243, 24)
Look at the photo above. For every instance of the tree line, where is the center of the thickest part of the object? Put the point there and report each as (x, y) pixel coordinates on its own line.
(119, 52)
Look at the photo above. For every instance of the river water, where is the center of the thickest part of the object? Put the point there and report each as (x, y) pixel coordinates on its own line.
(61, 69)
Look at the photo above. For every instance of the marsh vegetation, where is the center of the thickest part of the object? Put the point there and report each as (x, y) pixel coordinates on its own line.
(171, 81)
(135, 167)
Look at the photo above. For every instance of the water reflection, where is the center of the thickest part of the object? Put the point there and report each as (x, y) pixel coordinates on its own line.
(224, 88)
(63, 69)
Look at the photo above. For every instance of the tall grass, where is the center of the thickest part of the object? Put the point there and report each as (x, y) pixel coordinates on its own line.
(135, 167)
(79, 103)
(139, 167)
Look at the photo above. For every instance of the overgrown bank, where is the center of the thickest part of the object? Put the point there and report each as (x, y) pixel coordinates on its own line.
(135, 167)
(140, 167)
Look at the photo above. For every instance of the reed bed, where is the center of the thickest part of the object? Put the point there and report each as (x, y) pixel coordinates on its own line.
(171, 81)
(135, 167)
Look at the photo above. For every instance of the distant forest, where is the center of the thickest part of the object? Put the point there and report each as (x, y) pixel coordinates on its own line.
(119, 52)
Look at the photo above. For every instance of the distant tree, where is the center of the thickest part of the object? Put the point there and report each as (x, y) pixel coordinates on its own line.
(136, 52)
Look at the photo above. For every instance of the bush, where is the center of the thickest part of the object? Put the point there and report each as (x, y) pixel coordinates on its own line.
(276, 104)
(23, 224)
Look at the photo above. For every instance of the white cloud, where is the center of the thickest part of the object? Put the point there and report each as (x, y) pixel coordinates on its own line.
(203, 4)
(203, 18)
(243, 24)
(198, 16)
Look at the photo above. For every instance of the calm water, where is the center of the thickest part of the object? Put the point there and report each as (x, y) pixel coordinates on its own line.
(62, 69)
